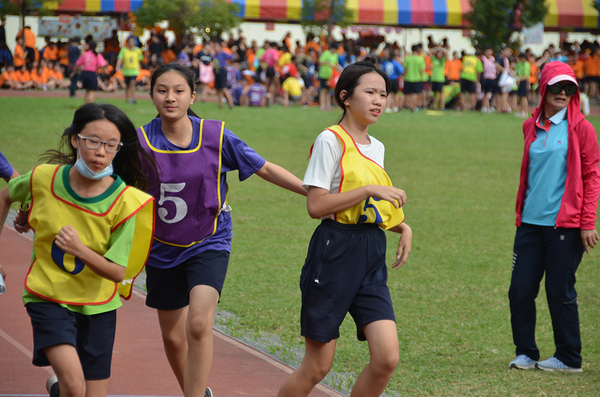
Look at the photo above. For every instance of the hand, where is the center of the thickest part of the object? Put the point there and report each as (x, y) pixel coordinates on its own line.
(388, 193)
(404, 246)
(590, 239)
(20, 222)
(68, 240)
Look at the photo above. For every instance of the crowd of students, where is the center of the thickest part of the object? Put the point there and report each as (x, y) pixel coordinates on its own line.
(246, 74)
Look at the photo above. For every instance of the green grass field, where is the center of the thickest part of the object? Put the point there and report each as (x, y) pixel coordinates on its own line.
(460, 172)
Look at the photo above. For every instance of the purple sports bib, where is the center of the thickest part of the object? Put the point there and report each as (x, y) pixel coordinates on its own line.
(188, 194)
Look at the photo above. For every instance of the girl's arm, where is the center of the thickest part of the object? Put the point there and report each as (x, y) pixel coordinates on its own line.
(5, 203)
(281, 177)
(404, 245)
(68, 240)
(321, 203)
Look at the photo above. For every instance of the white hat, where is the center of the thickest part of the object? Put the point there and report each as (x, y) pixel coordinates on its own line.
(562, 77)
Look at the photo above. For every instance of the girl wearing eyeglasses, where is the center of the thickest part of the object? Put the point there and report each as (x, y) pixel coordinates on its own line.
(556, 212)
(93, 232)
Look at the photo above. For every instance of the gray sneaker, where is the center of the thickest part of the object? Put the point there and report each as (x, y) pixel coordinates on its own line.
(522, 362)
(208, 392)
(554, 364)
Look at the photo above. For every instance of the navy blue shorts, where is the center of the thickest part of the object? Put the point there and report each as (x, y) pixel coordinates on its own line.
(395, 86)
(323, 83)
(413, 87)
(169, 289)
(92, 336)
(345, 271)
(489, 85)
(89, 81)
(129, 78)
(220, 79)
(467, 86)
(437, 86)
(523, 88)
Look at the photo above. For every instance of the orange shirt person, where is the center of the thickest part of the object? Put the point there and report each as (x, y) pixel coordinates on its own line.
(63, 54)
(51, 52)
(19, 57)
(534, 74)
(453, 68)
(8, 79)
(314, 45)
(30, 39)
(590, 67)
(24, 77)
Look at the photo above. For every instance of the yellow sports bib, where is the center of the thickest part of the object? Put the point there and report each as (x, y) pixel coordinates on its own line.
(59, 277)
(470, 64)
(131, 58)
(358, 171)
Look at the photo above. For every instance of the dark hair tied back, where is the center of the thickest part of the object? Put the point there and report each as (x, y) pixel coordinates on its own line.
(186, 73)
(349, 80)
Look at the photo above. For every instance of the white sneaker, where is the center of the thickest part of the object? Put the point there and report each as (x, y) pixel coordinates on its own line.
(52, 386)
(522, 362)
(554, 364)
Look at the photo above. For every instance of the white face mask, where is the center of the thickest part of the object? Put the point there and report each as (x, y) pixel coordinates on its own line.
(84, 170)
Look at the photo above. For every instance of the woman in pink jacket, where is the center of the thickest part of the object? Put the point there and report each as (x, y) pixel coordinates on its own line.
(556, 212)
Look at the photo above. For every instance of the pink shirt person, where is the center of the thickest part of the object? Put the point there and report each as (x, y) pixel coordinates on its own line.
(91, 62)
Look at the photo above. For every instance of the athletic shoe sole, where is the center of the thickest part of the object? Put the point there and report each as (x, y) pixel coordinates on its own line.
(515, 366)
(558, 369)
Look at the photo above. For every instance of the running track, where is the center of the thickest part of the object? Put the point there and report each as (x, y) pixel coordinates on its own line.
(139, 365)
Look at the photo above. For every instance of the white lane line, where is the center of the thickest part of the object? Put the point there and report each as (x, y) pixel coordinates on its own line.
(20, 348)
(226, 338)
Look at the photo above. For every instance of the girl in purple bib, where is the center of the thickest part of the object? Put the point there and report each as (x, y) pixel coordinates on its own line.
(188, 262)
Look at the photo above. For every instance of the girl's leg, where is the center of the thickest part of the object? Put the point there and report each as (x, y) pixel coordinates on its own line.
(172, 327)
(66, 365)
(94, 388)
(384, 350)
(315, 365)
(322, 98)
(201, 314)
(89, 96)
(131, 87)
(220, 94)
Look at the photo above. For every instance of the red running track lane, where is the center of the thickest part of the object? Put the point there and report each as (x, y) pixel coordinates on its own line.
(139, 366)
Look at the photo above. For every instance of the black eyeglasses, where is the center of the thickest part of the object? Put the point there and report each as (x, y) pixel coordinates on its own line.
(570, 89)
(92, 143)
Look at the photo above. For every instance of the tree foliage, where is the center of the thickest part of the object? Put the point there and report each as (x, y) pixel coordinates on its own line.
(495, 21)
(320, 16)
(28, 7)
(218, 16)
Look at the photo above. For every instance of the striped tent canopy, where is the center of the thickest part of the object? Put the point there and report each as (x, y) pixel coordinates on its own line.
(571, 14)
(72, 6)
(446, 13)
(562, 14)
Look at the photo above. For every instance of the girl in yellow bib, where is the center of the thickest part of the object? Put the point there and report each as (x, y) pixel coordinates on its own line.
(93, 232)
(345, 268)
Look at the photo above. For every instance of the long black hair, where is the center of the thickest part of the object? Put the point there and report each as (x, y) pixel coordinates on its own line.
(131, 162)
(92, 47)
(349, 79)
(183, 71)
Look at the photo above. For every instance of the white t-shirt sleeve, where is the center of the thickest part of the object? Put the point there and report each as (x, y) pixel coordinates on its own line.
(324, 162)
(324, 166)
